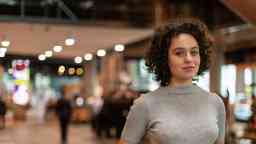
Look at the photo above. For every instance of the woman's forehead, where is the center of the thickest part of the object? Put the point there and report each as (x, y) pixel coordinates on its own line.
(184, 40)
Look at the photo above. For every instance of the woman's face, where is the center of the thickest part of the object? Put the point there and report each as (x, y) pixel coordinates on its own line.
(183, 57)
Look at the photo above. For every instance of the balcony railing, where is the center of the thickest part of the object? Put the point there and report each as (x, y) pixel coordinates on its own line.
(134, 13)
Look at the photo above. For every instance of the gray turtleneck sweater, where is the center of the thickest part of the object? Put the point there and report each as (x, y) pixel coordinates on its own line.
(180, 115)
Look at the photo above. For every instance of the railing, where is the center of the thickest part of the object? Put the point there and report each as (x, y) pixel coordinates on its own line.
(77, 11)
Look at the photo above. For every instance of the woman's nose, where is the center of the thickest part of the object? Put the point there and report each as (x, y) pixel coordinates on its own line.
(188, 57)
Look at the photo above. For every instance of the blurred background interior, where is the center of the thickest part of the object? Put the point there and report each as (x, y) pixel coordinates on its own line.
(95, 49)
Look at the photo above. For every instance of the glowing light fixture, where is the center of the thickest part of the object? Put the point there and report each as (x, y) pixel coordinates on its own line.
(119, 47)
(78, 59)
(71, 71)
(80, 101)
(79, 71)
(48, 53)
(5, 43)
(88, 56)
(70, 41)
(41, 57)
(57, 48)
(61, 69)
(101, 53)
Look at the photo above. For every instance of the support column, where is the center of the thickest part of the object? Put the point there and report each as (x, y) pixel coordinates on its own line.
(90, 78)
(240, 80)
(254, 81)
(162, 11)
(111, 67)
(216, 59)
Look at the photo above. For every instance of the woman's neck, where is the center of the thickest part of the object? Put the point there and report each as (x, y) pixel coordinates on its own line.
(176, 82)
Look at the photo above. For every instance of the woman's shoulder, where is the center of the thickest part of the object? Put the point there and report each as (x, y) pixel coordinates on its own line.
(152, 96)
(212, 96)
(148, 97)
(218, 97)
(217, 100)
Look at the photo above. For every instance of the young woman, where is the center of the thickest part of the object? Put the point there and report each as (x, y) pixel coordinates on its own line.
(179, 112)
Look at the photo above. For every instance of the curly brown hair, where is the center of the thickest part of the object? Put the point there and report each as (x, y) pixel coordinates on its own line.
(157, 55)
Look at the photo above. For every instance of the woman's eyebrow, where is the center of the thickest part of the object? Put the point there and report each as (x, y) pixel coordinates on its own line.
(179, 48)
(182, 48)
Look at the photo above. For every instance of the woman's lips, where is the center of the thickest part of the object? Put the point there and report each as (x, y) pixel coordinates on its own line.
(189, 68)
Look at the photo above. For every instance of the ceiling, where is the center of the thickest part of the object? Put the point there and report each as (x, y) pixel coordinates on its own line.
(35, 39)
(241, 36)
(245, 9)
(236, 37)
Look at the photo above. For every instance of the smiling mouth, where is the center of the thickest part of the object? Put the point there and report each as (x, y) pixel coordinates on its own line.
(188, 68)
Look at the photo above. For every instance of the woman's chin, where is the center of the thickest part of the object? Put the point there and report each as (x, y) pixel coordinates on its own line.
(188, 76)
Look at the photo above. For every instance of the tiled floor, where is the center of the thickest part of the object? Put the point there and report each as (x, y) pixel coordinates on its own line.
(33, 133)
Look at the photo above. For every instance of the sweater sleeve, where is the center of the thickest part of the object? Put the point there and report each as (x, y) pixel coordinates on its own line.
(221, 120)
(136, 122)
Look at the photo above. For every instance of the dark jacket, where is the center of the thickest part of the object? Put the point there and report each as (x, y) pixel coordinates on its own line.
(64, 109)
(2, 108)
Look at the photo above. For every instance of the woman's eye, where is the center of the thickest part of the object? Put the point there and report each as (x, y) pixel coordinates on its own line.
(195, 53)
(179, 53)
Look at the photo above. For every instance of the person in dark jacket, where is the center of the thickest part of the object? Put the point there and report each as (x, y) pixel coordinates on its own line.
(2, 113)
(64, 112)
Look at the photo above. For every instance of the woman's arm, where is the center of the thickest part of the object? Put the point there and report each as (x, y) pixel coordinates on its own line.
(136, 123)
(221, 120)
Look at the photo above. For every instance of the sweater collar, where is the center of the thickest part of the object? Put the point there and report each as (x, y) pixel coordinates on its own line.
(182, 89)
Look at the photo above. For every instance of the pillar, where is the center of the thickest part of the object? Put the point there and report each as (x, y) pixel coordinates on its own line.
(216, 59)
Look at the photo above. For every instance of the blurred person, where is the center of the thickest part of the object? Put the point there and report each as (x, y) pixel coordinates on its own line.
(179, 112)
(3, 110)
(96, 104)
(43, 96)
(3, 93)
(122, 101)
(64, 113)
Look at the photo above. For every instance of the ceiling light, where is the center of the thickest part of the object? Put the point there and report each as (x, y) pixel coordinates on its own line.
(5, 43)
(70, 41)
(61, 69)
(48, 53)
(41, 57)
(71, 71)
(101, 52)
(119, 47)
(79, 71)
(57, 48)
(78, 59)
(88, 56)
